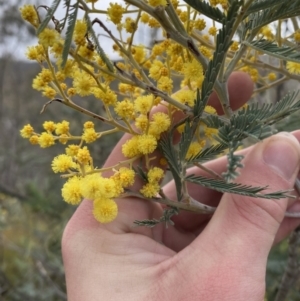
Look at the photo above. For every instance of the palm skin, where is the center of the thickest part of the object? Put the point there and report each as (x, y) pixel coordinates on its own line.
(203, 257)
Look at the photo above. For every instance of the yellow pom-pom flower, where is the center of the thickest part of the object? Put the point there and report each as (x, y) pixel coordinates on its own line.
(126, 176)
(48, 37)
(49, 126)
(34, 139)
(193, 71)
(210, 110)
(49, 92)
(62, 127)
(72, 150)
(130, 25)
(108, 97)
(213, 31)
(142, 122)
(88, 125)
(125, 109)
(115, 12)
(150, 190)
(293, 67)
(186, 97)
(147, 144)
(83, 156)
(90, 186)
(130, 147)
(83, 83)
(46, 140)
(71, 191)
(159, 124)
(89, 135)
(143, 104)
(155, 70)
(27, 131)
(155, 174)
(29, 14)
(272, 76)
(105, 210)
(62, 163)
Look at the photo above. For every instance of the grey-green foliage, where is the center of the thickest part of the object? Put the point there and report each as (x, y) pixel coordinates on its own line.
(50, 13)
(270, 48)
(72, 17)
(283, 10)
(262, 5)
(99, 49)
(204, 8)
(236, 188)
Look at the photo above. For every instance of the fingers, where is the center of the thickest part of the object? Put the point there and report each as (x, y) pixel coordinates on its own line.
(240, 89)
(243, 229)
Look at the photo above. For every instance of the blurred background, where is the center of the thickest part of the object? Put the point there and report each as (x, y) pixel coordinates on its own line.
(32, 213)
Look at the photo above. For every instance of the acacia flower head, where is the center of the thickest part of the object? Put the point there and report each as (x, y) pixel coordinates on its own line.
(48, 37)
(49, 126)
(62, 127)
(115, 12)
(27, 131)
(71, 191)
(293, 67)
(125, 176)
(146, 144)
(29, 14)
(46, 140)
(34, 139)
(155, 174)
(89, 135)
(150, 190)
(62, 163)
(105, 210)
(83, 156)
(130, 147)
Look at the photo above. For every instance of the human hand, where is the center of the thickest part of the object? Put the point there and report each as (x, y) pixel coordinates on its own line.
(222, 257)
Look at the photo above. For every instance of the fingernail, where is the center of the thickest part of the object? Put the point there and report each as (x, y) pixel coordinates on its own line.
(282, 155)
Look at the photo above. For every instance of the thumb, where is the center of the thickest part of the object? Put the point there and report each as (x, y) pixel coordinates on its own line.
(232, 250)
(243, 227)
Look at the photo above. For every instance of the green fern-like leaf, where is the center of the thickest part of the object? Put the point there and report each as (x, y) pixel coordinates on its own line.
(69, 35)
(233, 162)
(272, 113)
(236, 188)
(222, 44)
(213, 121)
(263, 4)
(186, 139)
(51, 11)
(209, 153)
(284, 53)
(285, 10)
(149, 223)
(204, 8)
(171, 155)
(67, 5)
(99, 49)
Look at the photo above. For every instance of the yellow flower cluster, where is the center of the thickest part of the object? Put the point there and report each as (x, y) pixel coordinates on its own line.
(60, 132)
(151, 188)
(142, 104)
(101, 191)
(30, 15)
